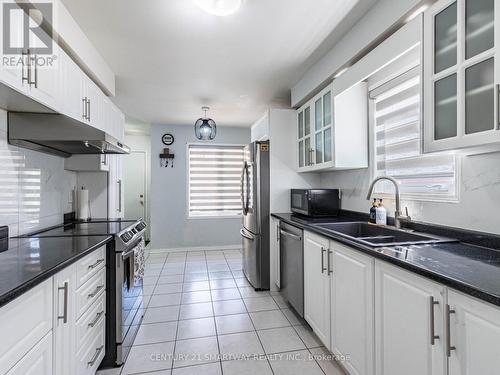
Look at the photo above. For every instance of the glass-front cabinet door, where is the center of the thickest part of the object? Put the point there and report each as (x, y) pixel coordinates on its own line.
(461, 74)
(315, 132)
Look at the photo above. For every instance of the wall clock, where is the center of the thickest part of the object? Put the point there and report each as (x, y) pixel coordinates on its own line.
(167, 139)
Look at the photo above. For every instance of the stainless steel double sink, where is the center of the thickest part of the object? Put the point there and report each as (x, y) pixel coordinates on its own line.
(376, 236)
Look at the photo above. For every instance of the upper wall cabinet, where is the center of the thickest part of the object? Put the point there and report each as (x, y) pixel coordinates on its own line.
(332, 132)
(461, 74)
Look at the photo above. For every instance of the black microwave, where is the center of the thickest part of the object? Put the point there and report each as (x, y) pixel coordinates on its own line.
(315, 202)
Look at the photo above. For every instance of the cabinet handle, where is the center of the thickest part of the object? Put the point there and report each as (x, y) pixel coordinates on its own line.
(330, 271)
(449, 347)
(64, 316)
(277, 232)
(26, 58)
(97, 317)
(36, 72)
(92, 266)
(323, 250)
(84, 109)
(96, 291)
(88, 112)
(432, 303)
(96, 355)
(119, 195)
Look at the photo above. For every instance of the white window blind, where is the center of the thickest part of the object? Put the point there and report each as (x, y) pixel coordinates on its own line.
(396, 115)
(214, 180)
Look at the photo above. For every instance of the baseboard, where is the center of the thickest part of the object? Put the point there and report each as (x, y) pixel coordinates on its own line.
(195, 248)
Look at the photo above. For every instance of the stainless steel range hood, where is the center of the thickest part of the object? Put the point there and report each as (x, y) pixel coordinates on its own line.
(60, 135)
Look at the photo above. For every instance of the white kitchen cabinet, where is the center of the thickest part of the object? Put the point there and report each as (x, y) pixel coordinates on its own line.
(88, 163)
(38, 361)
(275, 250)
(73, 103)
(461, 74)
(408, 322)
(352, 306)
(21, 328)
(65, 321)
(317, 285)
(474, 336)
(332, 131)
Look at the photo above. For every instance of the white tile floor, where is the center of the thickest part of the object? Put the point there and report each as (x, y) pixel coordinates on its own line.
(203, 317)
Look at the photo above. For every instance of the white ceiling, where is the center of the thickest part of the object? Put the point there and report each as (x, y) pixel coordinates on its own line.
(170, 57)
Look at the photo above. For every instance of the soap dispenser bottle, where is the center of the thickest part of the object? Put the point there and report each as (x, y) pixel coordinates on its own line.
(373, 211)
(381, 214)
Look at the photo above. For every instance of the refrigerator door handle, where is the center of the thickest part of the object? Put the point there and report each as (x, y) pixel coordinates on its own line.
(243, 189)
(245, 235)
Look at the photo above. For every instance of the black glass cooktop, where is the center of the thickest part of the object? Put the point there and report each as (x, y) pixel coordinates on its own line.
(83, 229)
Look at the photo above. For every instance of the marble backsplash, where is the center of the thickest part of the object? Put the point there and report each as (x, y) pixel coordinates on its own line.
(478, 207)
(35, 190)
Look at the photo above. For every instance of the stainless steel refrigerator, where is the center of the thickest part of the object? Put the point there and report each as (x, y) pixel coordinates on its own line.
(255, 204)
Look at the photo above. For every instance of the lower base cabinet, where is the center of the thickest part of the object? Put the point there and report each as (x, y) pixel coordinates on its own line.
(352, 309)
(474, 342)
(38, 361)
(409, 330)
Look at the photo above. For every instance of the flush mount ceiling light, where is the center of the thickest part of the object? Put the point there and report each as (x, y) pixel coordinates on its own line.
(219, 8)
(205, 128)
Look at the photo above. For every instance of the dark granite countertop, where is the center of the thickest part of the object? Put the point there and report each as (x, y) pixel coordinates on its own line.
(469, 268)
(29, 261)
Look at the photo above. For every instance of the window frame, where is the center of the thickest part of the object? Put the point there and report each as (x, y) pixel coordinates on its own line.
(416, 197)
(189, 216)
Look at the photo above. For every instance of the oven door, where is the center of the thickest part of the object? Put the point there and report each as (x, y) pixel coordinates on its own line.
(300, 201)
(129, 302)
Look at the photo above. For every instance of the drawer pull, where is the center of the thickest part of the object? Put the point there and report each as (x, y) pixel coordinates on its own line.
(92, 266)
(96, 319)
(96, 291)
(96, 355)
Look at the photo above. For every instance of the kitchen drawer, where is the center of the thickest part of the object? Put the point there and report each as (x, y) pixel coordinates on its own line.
(90, 265)
(24, 322)
(89, 320)
(91, 354)
(38, 361)
(90, 292)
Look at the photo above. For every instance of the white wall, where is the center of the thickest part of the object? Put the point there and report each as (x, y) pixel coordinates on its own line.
(35, 190)
(170, 227)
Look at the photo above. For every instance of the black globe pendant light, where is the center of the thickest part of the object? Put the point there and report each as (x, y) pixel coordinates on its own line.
(205, 128)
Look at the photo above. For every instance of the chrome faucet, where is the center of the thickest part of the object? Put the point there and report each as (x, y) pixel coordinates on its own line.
(398, 215)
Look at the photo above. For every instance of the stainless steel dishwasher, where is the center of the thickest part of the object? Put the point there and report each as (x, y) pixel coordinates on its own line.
(292, 266)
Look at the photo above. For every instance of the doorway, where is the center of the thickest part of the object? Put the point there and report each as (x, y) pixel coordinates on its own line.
(135, 192)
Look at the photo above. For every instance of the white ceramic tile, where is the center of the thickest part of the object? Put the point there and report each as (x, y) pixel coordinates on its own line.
(168, 288)
(155, 333)
(269, 319)
(294, 363)
(207, 369)
(196, 351)
(239, 345)
(222, 284)
(308, 336)
(188, 277)
(196, 286)
(250, 366)
(280, 301)
(144, 358)
(327, 362)
(279, 340)
(220, 275)
(241, 282)
(293, 318)
(161, 314)
(249, 292)
(235, 306)
(188, 329)
(233, 323)
(170, 279)
(196, 297)
(165, 300)
(260, 304)
(225, 294)
(196, 310)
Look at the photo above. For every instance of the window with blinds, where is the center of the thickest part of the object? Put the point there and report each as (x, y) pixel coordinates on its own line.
(214, 180)
(396, 115)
